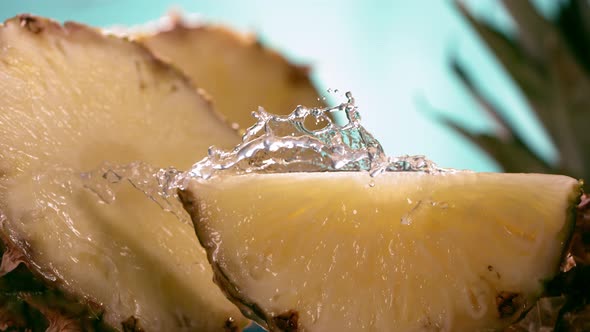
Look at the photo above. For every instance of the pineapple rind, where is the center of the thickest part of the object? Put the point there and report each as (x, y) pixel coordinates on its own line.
(27, 302)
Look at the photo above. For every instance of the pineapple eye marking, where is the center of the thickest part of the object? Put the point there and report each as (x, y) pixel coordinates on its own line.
(491, 269)
(30, 23)
(131, 325)
(10, 260)
(287, 321)
(230, 325)
(507, 303)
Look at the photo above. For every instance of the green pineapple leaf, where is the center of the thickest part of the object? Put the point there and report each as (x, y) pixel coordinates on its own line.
(511, 154)
(573, 21)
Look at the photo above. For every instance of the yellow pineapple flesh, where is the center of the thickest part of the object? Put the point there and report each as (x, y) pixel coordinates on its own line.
(403, 251)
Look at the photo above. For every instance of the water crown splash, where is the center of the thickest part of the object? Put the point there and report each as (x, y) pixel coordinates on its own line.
(283, 143)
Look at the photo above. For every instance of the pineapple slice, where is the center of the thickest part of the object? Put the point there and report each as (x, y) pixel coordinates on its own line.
(238, 72)
(71, 98)
(405, 251)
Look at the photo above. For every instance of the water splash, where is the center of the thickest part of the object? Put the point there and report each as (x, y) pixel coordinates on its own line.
(274, 144)
(157, 184)
(283, 143)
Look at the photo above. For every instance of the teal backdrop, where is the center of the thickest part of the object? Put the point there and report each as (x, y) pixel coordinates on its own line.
(393, 55)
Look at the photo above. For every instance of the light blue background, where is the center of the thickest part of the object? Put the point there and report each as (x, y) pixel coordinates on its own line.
(393, 55)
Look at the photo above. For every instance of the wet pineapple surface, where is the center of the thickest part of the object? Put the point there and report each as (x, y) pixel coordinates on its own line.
(403, 251)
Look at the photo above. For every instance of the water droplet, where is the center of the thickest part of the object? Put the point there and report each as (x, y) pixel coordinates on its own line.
(391, 248)
(111, 176)
(159, 185)
(406, 220)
